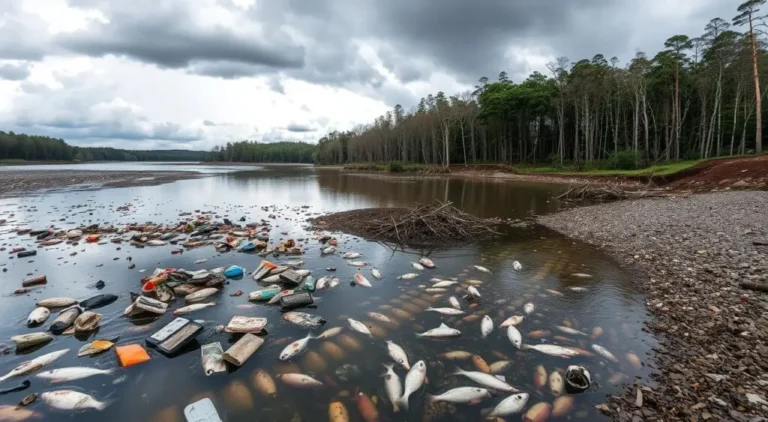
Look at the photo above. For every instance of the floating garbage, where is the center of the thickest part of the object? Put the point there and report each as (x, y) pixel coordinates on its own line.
(170, 339)
(131, 354)
(213, 359)
(291, 277)
(201, 411)
(21, 387)
(577, 379)
(234, 271)
(296, 300)
(65, 320)
(98, 301)
(37, 281)
(95, 347)
(242, 324)
(243, 349)
(145, 304)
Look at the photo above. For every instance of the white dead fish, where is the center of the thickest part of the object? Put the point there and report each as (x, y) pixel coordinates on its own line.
(417, 266)
(379, 317)
(376, 273)
(514, 320)
(57, 302)
(299, 380)
(482, 269)
(357, 263)
(413, 381)
(295, 263)
(528, 308)
(602, 351)
(556, 384)
(193, 308)
(553, 350)
(446, 311)
(74, 234)
(571, 331)
(359, 327)
(581, 275)
(295, 348)
(351, 255)
(445, 283)
(398, 354)
(31, 339)
(408, 276)
(473, 291)
(500, 366)
(72, 374)
(487, 380)
(471, 395)
(334, 282)
(330, 333)
(360, 280)
(200, 294)
(329, 250)
(435, 290)
(392, 386)
(322, 283)
(71, 400)
(514, 336)
(510, 406)
(454, 302)
(155, 242)
(200, 261)
(486, 326)
(34, 364)
(443, 331)
(38, 315)
(517, 266)
(578, 289)
(427, 262)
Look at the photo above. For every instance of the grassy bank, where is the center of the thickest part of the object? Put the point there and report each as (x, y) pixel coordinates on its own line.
(657, 170)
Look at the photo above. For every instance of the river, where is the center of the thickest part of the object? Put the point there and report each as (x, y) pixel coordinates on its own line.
(606, 308)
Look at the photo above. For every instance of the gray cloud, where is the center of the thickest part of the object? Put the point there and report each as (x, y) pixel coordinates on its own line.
(208, 123)
(14, 72)
(299, 128)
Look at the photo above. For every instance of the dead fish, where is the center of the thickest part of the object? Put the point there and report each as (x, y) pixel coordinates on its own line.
(95, 348)
(350, 343)
(264, 383)
(581, 275)
(337, 412)
(500, 366)
(445, 283)
(413, 381)
(329, 250)
(512, 321)
(87, 322)
(472, 395)
(304, 319)
(299, 380)
(17, 414)
(538, 413)
(517, 266)
(556, 384)
(486, 326)
(322, 283)
(634, 361)
(528, 308)
(445, 311)
(38, 316)
(357, 263)
(295, 348)
(360, 280)
(571, 331)
(334, 282)
(193, 308)
(379, 317)
(554, 292)
(417, 266)
(34, 364)
(408, 276)
(443, 331)
(427, 262)
(71, 400)
(201, 295)
(359, 327)
(31, 339)
(72, 374)
(57, 302)
(330, 333)
(351, 255)
(367, 408)
(539, 377)
(435, 290)
(510, 406)
(474, 282)
(376, 273)
(398, 355)
(514, 336)
(392, 386)
(473, 291)
(480, 364)
(155, 242)
(456, 355)
(482, 269)
(602, 351)
(454, 302)
(539, 334)
(487, 380)
(64, 320)
(561, 406)
(578, 289)
(553, 350)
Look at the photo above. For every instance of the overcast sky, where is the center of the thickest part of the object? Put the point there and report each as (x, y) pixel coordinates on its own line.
(144, 74)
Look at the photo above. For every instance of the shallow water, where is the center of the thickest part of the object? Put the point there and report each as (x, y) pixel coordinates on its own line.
(160, 389)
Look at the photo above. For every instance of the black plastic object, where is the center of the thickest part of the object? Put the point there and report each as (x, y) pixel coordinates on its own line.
(97, 301)
(24, 254)
(296, 300)
(170, 339)
(290, 277)
(21, 387)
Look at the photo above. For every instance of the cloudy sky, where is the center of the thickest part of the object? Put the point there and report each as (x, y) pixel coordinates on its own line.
(144, 74)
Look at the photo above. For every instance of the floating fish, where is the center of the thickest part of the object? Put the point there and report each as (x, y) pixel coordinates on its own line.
(571, 331)
(514, 336)
(38, 316)
(517, 266)
(578, 289)
(299, 380)
(417, 266)
(553, 350)
(480, 364)
(201, 295)
(71, 400)
(602, 351)
(456, 355)
(334, 282)
(470, 395)
(398, 355)
(528, 308)
(331, 332)
(72, 374)
(482, 269)
(555, 384)
(454, 302)
(413, 381)
(360, 280)
(512, 321)
(329, 250)
(155, 242)
(486, 326)
(473, 291)
(95, 347)
(357, 263)
(538, 413)
(32, 339)
(539, 377)
(393, 387)
(295, 348)
(427, 262)
(487, 380)
(264, 383)
(379, 317)
(408, 276)
(500, 366)
(510, 406)
(304, 319)
(34, 364)
(57, 302)
(443, 331)
(581, 275)
(445, 311)
(561, 406)
(376, 273)
(359, 327)
(445, 283)
(351, 255)
(64, 320)
(322, 283)
(193, 308)
(435, 290)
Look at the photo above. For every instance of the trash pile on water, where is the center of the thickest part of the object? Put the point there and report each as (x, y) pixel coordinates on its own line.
(284, 283)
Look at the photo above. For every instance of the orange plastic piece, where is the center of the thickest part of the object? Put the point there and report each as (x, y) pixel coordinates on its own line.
(93, 238)
(131, 354)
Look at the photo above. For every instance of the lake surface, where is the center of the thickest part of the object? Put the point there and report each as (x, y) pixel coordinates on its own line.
(159, 390)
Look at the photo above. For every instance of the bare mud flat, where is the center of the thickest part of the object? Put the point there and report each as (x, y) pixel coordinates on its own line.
(19, 183)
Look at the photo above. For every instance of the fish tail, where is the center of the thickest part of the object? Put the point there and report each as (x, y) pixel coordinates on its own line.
(101, 405)
(5, 377)
(430, 309)
(388, 367)
(403, 403)
(430, 399)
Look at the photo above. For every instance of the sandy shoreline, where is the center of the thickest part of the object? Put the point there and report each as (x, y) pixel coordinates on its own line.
(688, 256)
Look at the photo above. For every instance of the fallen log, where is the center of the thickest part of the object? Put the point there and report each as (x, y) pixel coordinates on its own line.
(760, 287)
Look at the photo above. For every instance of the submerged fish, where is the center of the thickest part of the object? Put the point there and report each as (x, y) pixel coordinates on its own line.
(528, 308)
(71, 400)
(304, 319)
(571, 331)
(514, 336)
(602, 351)
(379, 317)
(471, 395)
(509, 406)
(357, 263)
(482, 269)
(499, 367)
(473, 291)
(553, 350)
(486, 326)
(407, 276)
(360, 280)
(413, 381)
(330, 333)
(446, 311)
(299, 380)
(393, 387)
(443, 331)
(487, 380)
(72, 374)
(456, 355)
(376, 273)
(427, 262)
(398, 354)
(454, 302)
(417, 266)
(445, 283)
(555, 384)
(34, 364)
(359, 327)
(295, 348)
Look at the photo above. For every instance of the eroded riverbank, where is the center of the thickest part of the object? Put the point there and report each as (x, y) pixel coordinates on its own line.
(690, 254)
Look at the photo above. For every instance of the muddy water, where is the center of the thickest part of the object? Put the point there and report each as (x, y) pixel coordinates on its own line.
(160, 389)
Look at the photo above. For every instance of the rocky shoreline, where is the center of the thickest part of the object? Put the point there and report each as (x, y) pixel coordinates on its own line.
(689, 256)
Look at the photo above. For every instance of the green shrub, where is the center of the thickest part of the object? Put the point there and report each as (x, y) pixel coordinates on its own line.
(395, 167)
(624, 160)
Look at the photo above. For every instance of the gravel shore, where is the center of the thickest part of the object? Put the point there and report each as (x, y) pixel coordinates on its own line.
(689, 254)
(20, 182)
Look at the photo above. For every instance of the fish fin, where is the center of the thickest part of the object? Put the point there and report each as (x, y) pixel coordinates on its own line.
(430, 309)
(101, 405)
(403, 403)
(442, 324)
(458, 371)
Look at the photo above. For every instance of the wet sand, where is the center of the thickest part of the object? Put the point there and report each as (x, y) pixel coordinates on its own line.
(23, 182)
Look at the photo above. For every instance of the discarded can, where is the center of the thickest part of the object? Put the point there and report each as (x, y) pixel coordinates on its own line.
(243, 349)
(296, 300)
(213, 359)
(25, 254)
(34, 281)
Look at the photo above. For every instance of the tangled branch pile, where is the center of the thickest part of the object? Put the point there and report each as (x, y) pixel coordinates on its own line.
(603, 193)
(422, 225)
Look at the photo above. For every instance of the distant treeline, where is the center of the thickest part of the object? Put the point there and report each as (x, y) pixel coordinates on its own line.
(254, 152)
(42, 148)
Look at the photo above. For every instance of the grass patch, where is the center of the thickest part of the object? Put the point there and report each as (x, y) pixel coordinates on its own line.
(656, 170)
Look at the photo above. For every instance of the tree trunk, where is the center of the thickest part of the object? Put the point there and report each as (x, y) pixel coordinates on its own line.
(735, 117)
(758, 96)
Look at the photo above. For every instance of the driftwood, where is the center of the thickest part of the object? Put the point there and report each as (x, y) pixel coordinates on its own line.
(591, 192)
(760, 287)
(422, 225)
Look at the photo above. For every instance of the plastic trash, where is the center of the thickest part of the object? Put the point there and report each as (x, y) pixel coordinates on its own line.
(24, 254)
(296, 300)
(242, 324)
(291, 278)
(212, 356)
(34, 281)
(201, 411)
(243, 349)
(234, 271)
(132, 354)
(170, 339)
